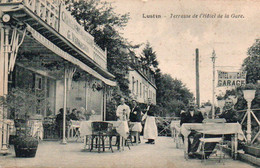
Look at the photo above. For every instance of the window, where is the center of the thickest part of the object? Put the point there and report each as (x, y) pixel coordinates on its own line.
(48, 87)
(38, 82)
(140, 89)
(137, 87)
(133, 84)
(144, 91)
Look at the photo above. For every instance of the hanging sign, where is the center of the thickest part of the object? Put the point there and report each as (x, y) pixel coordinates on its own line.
(231, 78)
(75, 33)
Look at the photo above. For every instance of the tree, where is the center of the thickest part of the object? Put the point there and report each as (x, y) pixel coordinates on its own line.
(149, 58)
(100, 20)
(252, 63)
(172, 95)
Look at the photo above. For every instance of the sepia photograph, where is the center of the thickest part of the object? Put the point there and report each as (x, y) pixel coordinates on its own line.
(129, 83)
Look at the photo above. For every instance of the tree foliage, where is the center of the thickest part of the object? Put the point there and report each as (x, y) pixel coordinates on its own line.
(172, 95)
(149, 58)
(100, 20)
(252, 63)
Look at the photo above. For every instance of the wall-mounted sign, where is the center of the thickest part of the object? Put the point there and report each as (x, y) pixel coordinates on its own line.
(231, 78)
(75, 33)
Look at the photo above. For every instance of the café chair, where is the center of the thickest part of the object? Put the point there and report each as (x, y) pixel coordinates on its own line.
(100, 131)
(131, 134)
(215, 139)
(73, 130)
(175, 133)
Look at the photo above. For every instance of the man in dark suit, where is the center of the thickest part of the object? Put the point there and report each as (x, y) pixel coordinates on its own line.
(228, 111)
(193, 115)
(136, 118)
(135, 112)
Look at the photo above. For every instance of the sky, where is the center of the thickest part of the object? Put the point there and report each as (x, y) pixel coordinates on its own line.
(175, 39)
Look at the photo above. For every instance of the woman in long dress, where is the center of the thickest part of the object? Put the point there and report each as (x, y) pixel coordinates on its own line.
(150, 127)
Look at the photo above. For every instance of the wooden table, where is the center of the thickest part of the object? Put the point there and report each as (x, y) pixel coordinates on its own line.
(214, 129)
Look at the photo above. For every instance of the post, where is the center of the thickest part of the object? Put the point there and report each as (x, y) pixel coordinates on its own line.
(248, 132)
(64, 107)
(4, 149)
(105, 103)
(86, 94)
(1, 83)
(197, 78)
(249, 96)
(213, 84)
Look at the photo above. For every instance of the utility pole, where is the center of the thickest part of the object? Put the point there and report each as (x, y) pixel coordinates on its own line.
(197, 79)
(213, 84)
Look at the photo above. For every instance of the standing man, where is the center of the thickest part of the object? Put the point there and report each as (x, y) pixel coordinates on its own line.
(136, 118)
(123, 111)
(150, 128)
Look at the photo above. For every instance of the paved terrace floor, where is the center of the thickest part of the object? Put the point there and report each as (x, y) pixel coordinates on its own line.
(161, 155)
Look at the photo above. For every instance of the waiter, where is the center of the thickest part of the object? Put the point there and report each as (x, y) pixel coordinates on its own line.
(136, 118)
(150, 128)
(123, 111)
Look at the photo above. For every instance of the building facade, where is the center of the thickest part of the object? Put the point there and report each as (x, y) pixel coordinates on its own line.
(44, 49)
(142, 84)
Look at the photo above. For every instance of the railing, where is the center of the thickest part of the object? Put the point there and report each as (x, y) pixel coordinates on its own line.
(163, 125)
(47, 10)
(256, 119)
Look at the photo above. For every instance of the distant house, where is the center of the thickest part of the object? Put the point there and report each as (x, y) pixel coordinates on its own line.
(141, 83)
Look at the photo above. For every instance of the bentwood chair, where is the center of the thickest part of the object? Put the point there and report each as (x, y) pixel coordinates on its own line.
(101, 131)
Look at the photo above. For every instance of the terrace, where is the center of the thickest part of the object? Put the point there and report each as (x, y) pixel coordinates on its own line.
(163, 154)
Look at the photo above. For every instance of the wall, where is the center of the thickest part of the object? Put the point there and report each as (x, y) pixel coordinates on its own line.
(146, 89)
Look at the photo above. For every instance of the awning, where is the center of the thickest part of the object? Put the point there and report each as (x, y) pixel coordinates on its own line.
(48, 44)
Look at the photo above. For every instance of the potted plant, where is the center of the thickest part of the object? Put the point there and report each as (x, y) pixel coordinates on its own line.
(23, 103)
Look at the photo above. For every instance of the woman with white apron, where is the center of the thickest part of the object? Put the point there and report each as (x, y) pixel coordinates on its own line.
(150, 128)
